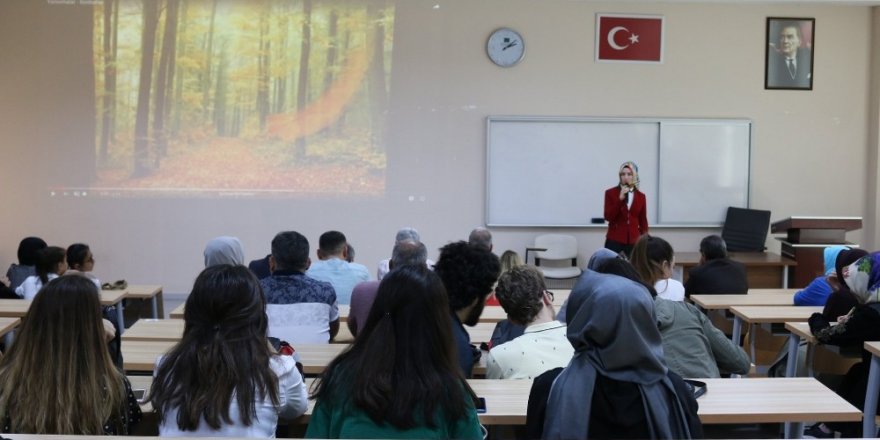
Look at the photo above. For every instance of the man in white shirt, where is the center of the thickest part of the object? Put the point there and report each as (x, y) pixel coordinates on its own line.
(333, 268)
(544, 345)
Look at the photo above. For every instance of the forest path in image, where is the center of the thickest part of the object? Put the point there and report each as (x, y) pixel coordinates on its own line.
(230, 164)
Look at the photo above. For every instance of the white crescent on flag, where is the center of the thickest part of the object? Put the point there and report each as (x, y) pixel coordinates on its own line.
(611, 35)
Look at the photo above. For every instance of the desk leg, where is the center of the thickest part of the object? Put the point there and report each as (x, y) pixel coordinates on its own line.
(120, 317)
(794, 430)
(794, 341)
(752, 342)
(869, 427)
(9, 339)
(155, 305)
(737, 331)
(809, 360)
(785, 277)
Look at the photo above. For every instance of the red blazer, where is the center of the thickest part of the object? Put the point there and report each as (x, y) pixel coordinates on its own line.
(625, 225)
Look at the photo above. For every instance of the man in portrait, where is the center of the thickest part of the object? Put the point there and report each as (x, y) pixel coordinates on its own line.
(790, 61)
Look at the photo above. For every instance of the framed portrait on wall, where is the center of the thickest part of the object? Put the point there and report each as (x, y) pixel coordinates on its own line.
(790, 50)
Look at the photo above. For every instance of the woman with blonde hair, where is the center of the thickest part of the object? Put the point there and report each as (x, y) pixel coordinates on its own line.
(58, 377)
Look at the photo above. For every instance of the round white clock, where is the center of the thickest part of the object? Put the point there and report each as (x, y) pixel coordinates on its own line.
(505, 47)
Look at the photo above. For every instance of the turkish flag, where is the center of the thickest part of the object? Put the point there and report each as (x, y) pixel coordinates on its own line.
(629, 38)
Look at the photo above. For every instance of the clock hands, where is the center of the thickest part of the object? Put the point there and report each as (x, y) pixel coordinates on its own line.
(509, 45)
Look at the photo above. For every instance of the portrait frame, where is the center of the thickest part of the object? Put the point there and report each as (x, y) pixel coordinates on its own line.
(790, 52)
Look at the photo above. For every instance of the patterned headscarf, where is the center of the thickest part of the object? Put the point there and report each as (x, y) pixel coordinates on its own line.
(863, 278)
(635, 170)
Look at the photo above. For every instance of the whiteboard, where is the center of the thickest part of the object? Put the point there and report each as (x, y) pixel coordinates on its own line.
(554, 171)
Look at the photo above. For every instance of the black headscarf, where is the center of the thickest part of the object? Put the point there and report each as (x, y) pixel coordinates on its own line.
(28, 250)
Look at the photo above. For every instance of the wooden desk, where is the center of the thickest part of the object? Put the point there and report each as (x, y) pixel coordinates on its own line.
(172, 330)
(772, 297)
(111, 298)
(752, 315)
(763, 269)
(150, 292)
(14, 308)
(140, 356)
(177, 313)
(7, 329)
(754, 400)
(773, 400)
(869, 424)
(800, 331)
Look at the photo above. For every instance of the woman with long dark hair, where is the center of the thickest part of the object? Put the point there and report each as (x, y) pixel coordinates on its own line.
(223, 379)
(400, 378)
(58, 377)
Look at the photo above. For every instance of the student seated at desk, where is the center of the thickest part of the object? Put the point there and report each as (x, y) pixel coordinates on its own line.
(51, 263)
(717, 274)
(58, 377)
(817, 292)
(81, 261)
(654, 259)
(223, 379)
(28, 255)
(852, 330)
(617, 385)
(400, 378)
(692, 346)
(543, 345)
(841, 301)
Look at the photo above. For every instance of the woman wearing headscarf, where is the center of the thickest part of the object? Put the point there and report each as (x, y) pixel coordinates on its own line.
(625, 210)
(860, 325)
(816, 293)
(617, 385)
(224, 250)
(841, 300)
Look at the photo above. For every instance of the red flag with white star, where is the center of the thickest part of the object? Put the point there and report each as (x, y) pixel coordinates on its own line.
(629, 38)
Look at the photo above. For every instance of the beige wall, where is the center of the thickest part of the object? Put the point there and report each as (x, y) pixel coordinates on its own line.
(808, 153)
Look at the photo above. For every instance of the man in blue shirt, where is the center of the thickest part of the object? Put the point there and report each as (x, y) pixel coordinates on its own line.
(333, 268)
(468, 273)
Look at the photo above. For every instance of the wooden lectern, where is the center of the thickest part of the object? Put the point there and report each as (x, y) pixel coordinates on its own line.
(806, 239)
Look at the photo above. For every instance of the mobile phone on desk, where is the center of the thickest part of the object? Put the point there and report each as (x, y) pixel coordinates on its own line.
(481, 405)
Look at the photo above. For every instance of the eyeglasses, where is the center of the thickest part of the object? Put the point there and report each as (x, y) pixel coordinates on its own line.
(550, 294)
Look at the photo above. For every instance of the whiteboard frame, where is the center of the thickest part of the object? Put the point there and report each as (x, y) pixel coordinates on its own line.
(657, 120)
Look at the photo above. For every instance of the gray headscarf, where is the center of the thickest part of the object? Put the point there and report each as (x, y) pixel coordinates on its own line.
(613, 331)
(224, 250)
(600, 256)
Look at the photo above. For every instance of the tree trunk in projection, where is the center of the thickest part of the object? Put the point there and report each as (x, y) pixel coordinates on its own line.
(302, 86)
(376, 76)
(113, 78)
(109, 72)
(220, 95)
(282, 61)
(142, 120)
(164, 81)
(263, 68)
(177, 108)
(346, 43)
(208, 63)
(332, 50)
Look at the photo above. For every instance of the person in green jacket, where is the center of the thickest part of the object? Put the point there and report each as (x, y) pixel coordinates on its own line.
(400, 378)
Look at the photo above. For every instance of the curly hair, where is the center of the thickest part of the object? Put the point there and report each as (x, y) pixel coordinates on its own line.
(520, 291)
(467, 273)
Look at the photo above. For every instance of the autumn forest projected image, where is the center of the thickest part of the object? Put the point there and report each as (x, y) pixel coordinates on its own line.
(275, 97)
